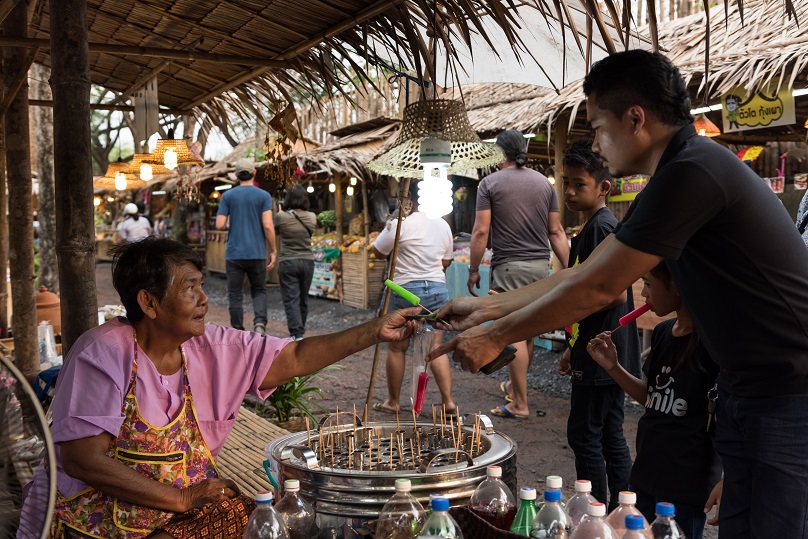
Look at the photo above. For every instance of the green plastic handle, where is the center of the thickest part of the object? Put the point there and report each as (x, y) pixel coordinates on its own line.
(406, 294)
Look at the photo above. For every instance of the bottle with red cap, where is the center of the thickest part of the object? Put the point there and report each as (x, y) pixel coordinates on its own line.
(594, 525)
(627, 506)
(265, 522)
(579, 504)
(493, 501)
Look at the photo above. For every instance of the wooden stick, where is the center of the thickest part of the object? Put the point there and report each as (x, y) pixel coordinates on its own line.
(354, 421)
(412, 449)
(308, 432)
(391, 451)
(337, 424)
(451, 428)
(434, 421)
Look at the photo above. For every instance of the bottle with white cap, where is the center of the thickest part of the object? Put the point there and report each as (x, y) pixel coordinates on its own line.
(552, 520)
(553, 482)
(579, 504)
(594, 526)
(265, 522)
(523, 522)
(493, 501)
(297, 512)
(402, 516)
(617, 518)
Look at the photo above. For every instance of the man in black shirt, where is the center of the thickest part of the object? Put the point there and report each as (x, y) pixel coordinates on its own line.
(736, 258)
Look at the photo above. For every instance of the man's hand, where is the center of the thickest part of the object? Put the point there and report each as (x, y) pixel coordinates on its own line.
(564, 366)
(473, 282)
(603, 351)
(473, 349)
(212, 490)
(460, 314)
(715, 500)
(396, 326)
(271, 260)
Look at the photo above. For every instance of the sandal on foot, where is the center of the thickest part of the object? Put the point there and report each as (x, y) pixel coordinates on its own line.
(502, 411)
(380, 407)
(503, 386)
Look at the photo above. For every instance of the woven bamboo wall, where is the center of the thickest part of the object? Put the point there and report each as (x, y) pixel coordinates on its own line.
(361, 284)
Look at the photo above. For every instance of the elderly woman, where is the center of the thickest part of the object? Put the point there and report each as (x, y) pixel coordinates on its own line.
(145, 403)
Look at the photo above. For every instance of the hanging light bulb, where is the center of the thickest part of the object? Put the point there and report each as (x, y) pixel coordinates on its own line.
(349, 190)
(331, 187)
(96, 201)
(170, 158)
(120, 181)
(110, 199)
(435, 191)
(353, 180)
(310, 188)
(146, 172)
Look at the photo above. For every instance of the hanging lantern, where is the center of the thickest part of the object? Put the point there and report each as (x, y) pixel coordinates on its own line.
(349, 190)
(705, 128)
(310, 188)
(171, 153)
(353, 180)
(331, 187)
(435, 191)
(118, 177)
(145, 170)
(120, 181)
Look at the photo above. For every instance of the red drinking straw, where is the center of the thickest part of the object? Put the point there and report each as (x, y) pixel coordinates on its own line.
(632, 316)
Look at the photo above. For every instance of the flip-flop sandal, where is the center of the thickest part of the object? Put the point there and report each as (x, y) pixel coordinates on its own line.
(380, 407)
(501, 411)
(503, 386)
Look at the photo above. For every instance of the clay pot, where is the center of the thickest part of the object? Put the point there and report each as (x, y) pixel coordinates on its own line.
(49, 307)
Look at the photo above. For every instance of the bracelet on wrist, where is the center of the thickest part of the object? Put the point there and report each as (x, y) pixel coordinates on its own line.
(474, 270)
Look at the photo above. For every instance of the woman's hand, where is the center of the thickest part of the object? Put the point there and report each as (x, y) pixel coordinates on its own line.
(395, 326)
(460, 314)
(212, 490)
(715, 500)
(603, 351)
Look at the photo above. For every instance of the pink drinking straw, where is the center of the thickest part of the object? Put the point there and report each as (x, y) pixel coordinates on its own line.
(420, 394)
(632, 316)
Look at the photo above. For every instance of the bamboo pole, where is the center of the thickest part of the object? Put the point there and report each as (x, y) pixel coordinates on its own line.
(75, 237)
(3, 233)
(403, 190)
(560, 146)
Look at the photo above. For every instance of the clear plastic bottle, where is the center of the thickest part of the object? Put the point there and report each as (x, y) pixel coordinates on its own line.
(296, 512)
(579, 504)
(440, 524)
(265, 522)
(552, 520)
(523, 521)
(493, 501)
(594, 526)
(664, 526)
(637, 528)
(617, 518)
(553, 482)
(402, 516)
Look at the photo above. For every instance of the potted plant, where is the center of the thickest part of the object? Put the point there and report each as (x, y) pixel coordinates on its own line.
(292, 402)
(328, 219)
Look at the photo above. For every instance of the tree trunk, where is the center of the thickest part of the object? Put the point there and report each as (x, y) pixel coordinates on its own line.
(70, 84)
(21, 218)
(43, 124)
(3, 234)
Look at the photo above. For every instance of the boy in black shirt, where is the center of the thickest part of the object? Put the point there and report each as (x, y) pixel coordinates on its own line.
(595, 424)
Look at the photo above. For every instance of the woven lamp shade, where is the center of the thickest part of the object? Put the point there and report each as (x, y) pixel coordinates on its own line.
(140, 158)
(107, 181)
(705, 127)
(443, 119)
(184, 155)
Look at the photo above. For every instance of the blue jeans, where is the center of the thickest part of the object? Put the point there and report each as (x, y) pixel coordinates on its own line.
(433, 294)
(256, 272)
(295, 279)
(690, 518)
(762, 442)
(595, 435)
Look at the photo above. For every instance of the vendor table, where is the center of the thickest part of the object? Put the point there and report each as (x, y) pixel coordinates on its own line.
(457, 275)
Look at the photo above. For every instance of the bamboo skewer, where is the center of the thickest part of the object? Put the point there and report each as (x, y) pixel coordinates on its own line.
(308, 431)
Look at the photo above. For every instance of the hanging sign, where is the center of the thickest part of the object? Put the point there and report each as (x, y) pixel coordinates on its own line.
(766, 108)
(626, 189)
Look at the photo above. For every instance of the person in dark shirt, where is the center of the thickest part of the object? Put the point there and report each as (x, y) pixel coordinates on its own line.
(737, 260)
(595, 424)
(676, 461)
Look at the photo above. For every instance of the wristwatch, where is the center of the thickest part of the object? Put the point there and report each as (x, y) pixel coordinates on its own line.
(474, 270)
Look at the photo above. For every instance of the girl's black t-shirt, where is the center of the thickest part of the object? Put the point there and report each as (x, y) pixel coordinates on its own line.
(676, 460)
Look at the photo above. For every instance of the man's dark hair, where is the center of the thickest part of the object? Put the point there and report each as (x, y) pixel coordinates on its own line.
(148, 265)
(643, 78)
(244, 175)
(514, 145)
(580, 154)
(296, 198)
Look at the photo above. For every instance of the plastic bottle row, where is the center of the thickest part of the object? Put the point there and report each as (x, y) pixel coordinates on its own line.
(292, 517)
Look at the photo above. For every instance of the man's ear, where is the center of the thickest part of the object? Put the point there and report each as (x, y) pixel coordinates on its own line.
(148, 303)
(637, 117)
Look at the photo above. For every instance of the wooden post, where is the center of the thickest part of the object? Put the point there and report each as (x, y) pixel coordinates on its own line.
(21, 218)
(72, 162)
(560, 147)
(3, 233)
(338, 208)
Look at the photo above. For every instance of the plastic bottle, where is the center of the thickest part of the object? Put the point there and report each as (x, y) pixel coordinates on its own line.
(553, 482)
(578, 505)
(523, 521)
(617, 518)
(665, 527)
(265, 522)
(594, 526)
(493, 501)
(440, 524)
(296, 512)
(552, 520)
(402, 516)
(637, 528)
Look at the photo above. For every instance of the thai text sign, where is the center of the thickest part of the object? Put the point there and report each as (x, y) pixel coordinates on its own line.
(766, 108)
(626, 189)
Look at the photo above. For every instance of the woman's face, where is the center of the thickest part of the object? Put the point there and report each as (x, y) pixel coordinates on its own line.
(185, 304)
(660, 295)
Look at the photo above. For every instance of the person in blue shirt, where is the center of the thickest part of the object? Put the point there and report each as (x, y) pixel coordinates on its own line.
(251, 250)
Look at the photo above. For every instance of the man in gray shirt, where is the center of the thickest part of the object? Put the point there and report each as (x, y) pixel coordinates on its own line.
(520, 208)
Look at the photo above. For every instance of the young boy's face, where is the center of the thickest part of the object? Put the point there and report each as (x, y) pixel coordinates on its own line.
(581, 191)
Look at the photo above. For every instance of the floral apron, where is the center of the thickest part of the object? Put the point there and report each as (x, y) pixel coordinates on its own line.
(174, 455)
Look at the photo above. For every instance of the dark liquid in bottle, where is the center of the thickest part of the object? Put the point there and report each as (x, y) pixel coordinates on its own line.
(498, 519)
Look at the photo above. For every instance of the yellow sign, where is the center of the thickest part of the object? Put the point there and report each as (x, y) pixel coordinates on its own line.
(626, 189)
(766, 108)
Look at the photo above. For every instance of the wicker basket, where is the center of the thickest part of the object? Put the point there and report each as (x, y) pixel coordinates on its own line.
(361, 284)
(473, 526)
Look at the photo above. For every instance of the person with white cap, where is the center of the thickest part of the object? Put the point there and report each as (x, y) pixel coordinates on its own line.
(133, 228)
(251, 249)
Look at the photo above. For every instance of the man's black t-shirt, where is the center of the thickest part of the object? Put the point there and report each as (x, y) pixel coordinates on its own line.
(584, 369)
(735, 257)
(676, 460)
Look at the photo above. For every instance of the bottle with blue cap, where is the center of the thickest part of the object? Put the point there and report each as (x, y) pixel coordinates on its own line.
(440, 524)
(265, 522)
(665, 527)
(552, 521)
(523, 521)
(636, 528)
